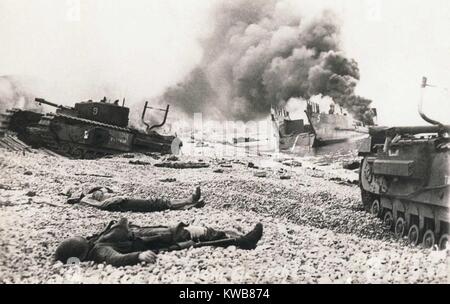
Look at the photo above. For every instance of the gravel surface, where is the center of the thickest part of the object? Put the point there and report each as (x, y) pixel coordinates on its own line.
(315, 230)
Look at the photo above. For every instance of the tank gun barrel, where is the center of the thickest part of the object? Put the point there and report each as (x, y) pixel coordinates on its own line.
(408, 130)
(43, 101)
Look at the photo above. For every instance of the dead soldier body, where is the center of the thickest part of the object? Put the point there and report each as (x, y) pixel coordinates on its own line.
(121, 244)
(105, 199)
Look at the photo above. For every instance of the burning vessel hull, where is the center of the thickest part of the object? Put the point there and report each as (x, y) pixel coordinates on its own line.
(89, 130)
(334, 128)
(323, 128)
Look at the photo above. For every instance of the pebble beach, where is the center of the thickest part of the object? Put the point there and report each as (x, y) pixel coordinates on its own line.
(315, 229)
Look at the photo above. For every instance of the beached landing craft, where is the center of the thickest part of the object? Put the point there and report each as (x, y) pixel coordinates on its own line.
(322, 128)
(405, 180)
(88, 130)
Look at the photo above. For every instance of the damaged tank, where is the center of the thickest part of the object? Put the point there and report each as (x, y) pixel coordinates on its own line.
(88, 130)
(404, 180)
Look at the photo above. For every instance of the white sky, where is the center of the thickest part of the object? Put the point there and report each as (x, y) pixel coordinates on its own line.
(137, 48)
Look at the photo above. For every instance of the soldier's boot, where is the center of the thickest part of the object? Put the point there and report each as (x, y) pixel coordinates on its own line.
(247, 242)
(195, 201)
(251, 239)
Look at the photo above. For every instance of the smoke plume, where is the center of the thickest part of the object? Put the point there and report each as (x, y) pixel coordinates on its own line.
(259, 54)
(14, 93)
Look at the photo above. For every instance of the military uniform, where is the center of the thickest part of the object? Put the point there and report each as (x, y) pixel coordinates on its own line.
(120, 244)
(104, 198)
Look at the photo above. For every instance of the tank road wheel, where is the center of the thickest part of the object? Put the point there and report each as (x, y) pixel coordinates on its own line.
(388, 220)
(65, 149)
(400, 228)
(89, 155)
(414, 235)
(444, 242)
(77, 153)
(367, 199)
(428, 239)
(371, 203)
(375, 208)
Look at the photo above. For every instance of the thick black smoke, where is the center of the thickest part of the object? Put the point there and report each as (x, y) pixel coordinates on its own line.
(258, 55)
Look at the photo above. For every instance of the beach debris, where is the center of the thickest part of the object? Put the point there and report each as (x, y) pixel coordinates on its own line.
(139, 162)
(168, 180)
(351, 165)
(5, 187)
(6, 204)
(201, 144)
(292, 163)
(153, 155)
(31, 193)
(285, 177)
(252, 166)
(342, 181)
(94, 175)
(218, 171)
(182, 165)
(316, 231)
(238, 162)
(171, 158)
(260, 174)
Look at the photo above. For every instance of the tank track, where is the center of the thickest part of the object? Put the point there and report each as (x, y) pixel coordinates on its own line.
(156, 137)
(417, 229)
(5, 118)
(50, 140)
(40, 135)
(417, 222)
(73, 150)
(89, 122)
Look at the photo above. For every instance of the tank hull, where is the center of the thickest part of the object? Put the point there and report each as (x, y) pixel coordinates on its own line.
(81, 138)
(406, 183)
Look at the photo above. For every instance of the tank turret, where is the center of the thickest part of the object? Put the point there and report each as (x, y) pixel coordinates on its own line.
(102, 111)
(87, 130)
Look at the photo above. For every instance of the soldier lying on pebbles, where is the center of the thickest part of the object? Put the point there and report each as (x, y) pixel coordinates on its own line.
(105, 199)
(121, 244)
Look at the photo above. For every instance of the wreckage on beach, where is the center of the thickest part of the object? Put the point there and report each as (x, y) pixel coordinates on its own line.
(320, 129)
(88, 130)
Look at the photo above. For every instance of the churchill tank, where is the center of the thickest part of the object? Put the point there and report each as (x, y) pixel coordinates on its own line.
(88, 130)
(405, 179)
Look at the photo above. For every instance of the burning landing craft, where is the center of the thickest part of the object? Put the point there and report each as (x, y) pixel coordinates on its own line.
(322, 128)
(88, 130)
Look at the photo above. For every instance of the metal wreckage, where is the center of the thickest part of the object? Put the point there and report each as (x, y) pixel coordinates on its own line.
(88, 130)
(404, 174)
(322, 128)
(405, 179)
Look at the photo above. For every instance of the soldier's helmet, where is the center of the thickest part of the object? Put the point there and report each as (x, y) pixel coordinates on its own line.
(98, 195)
(73, 249)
